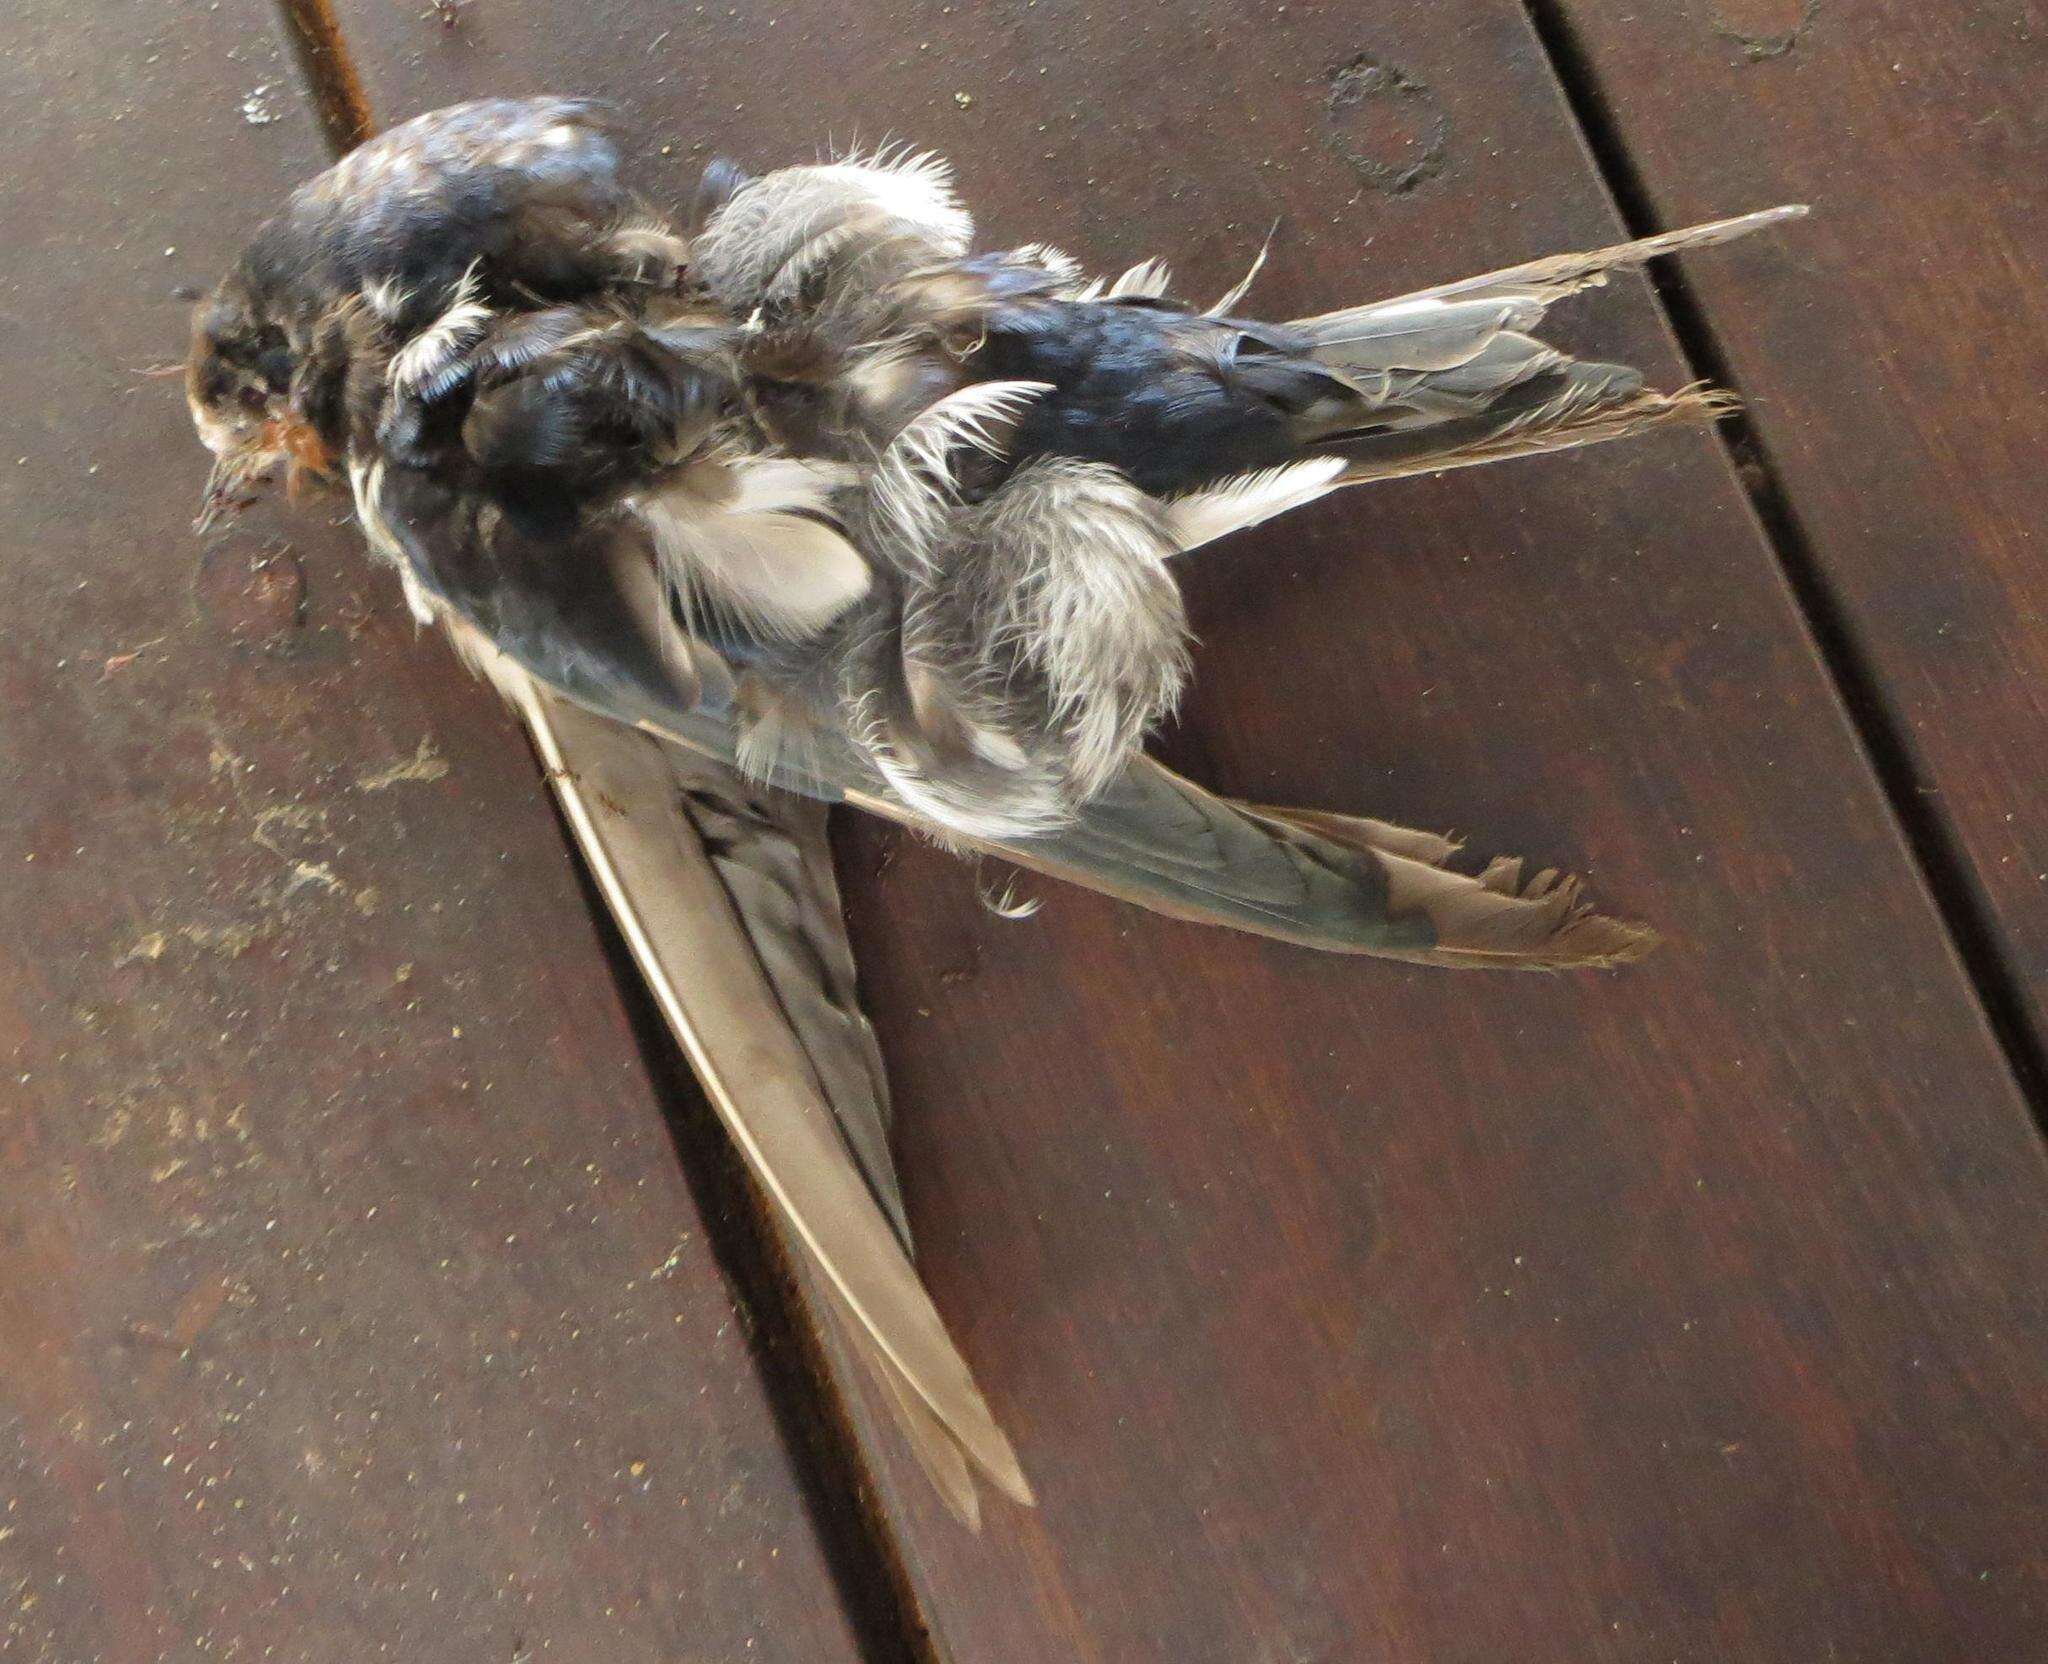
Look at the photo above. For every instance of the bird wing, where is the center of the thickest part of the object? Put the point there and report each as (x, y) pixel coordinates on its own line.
(770, 854)
(1341, 883)
(724, 893)
(625, 795)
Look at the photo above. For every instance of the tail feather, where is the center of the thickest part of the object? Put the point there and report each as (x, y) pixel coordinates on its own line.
(1422, 335)
(1582, 415)
(1599, 402)
(1555, 276)
(1446, 377)
(1520, 293)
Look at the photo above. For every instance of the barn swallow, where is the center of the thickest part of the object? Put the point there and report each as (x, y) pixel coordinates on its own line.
(802, 501)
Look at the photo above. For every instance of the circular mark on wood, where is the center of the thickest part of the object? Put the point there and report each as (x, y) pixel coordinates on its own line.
(256, 595)
(1385, 123)
(1764, 28)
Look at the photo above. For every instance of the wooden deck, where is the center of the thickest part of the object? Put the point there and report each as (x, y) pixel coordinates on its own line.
(372, 1283)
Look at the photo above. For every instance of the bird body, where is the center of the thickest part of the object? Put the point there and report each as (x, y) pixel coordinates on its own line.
(830, 506)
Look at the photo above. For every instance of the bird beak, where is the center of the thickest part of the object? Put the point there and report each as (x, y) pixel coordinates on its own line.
(229, 487)
(248, 462)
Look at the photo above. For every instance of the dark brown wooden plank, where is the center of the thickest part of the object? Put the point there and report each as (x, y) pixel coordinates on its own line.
(1896, 379)
(352, 1303)
(1343, 1311)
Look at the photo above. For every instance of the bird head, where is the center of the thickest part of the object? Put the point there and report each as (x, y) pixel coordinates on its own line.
(238, 382)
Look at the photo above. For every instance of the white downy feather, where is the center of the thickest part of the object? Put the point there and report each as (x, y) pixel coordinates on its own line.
(1148, 277)
(653, 243)
(1062, 266)
(778, 574)
(445, 339)
(915, 186)
(758, 555)
(367, 484)
(790, 484)
(1231, 505)
(386, 298)
(913, 486)
(778, 231)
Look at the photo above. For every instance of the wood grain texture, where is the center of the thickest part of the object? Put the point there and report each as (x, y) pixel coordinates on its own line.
(1896, 378)
(352, 1302)
(1344, 1312)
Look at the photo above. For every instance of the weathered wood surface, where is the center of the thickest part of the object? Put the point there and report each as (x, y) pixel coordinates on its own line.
(1350, 1312)
(352, 1302)
(1895, 377)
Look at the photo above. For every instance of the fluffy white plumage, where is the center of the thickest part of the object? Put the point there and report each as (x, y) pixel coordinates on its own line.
(1150, 278)
(752, 545)
(785, 225)
(915, 186)
(1203, 516)
(437, 347)
(913, 485)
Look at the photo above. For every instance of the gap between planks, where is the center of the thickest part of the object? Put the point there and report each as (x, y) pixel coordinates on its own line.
(326, 72)
(809, 1408)
(1945, 868)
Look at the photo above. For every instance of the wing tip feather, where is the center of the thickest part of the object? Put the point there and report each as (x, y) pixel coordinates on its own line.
(1496, 918)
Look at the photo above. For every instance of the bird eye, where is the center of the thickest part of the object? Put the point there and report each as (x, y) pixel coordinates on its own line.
(253, 399)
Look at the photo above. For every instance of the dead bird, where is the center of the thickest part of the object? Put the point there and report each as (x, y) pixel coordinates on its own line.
(804, 502)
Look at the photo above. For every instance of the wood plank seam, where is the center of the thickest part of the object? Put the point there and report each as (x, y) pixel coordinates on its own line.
(862, 1553)
(331, 83)
(1944, 866)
